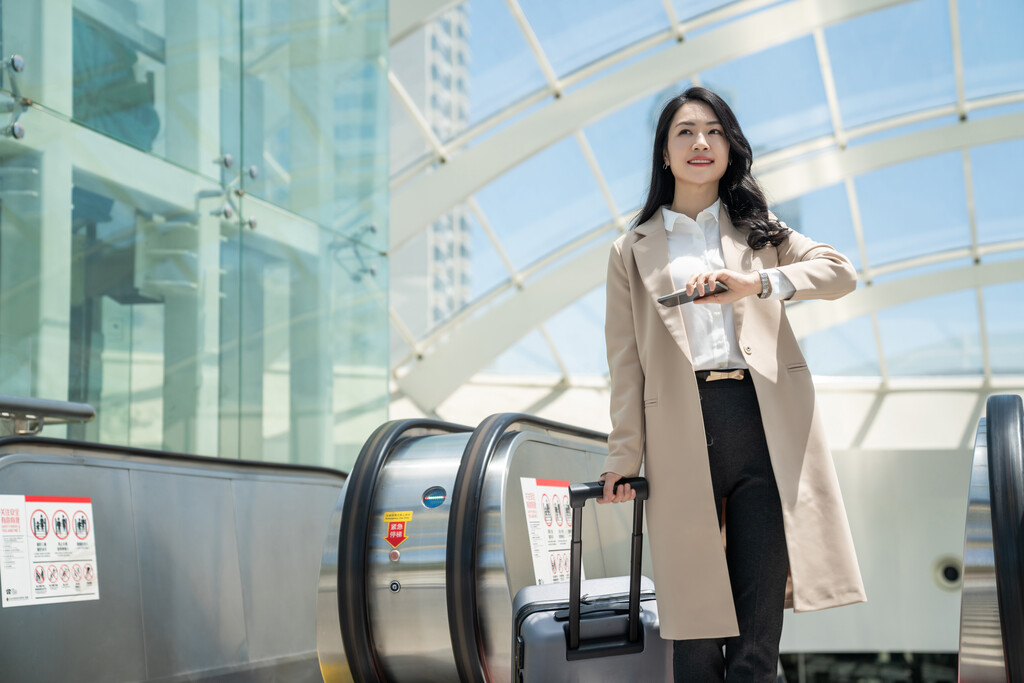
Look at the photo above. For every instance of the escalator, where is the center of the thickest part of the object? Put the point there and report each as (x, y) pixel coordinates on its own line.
(210, 569)
(438, 605)
(154, 565)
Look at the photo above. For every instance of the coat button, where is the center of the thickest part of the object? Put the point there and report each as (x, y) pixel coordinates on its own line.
(748, 350)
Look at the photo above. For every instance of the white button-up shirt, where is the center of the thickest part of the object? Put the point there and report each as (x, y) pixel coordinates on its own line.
(696, 247)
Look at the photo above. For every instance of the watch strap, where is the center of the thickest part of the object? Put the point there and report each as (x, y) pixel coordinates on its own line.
(766, 285)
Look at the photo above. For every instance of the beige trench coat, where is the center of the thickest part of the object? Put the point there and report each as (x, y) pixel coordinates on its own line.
(656, 419)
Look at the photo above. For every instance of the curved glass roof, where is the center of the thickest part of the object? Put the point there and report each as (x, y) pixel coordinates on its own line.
(520, 139)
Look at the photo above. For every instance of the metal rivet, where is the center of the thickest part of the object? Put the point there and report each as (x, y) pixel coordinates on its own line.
(395, 586)
(252, 223)
(17, 63)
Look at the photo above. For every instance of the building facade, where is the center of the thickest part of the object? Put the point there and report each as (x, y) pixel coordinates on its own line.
(193, 221)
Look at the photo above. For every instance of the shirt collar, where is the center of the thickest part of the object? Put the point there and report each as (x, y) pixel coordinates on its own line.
(671, 216)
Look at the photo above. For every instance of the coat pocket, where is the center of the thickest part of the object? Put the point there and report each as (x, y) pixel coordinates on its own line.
(650, 402)
(797, 367)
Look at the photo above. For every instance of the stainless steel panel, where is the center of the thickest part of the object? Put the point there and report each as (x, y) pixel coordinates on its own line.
(410, 626)
(188, 568)
(49, 642)
(207, 568)
(334, 666)
(274, 543)
(981, 644)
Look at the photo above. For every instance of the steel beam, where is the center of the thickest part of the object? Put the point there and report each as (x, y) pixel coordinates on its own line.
(428, 196)
(465, 346)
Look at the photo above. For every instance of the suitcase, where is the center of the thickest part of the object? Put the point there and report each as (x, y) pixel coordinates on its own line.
(611, 634)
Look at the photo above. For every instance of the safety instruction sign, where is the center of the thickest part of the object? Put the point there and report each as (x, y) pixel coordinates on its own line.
(47, 550)
(396, 522)
(549, 523)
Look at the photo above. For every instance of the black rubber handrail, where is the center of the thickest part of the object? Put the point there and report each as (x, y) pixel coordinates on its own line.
(1004, 417)
(356, 511)
(227, 463)
(463, 526)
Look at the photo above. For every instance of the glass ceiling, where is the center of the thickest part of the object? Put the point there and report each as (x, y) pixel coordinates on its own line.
(902, 84)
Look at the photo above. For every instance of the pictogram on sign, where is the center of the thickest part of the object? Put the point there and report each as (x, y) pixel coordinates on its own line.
(40, 524)
(80, 523)
(61, 524)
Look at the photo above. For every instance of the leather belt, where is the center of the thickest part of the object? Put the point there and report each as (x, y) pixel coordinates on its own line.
(714, 375)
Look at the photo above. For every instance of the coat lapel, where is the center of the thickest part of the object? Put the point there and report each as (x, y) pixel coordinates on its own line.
(734, 246)
(651, 254)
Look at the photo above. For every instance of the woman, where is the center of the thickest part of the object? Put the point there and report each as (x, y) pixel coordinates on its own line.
(715, 398)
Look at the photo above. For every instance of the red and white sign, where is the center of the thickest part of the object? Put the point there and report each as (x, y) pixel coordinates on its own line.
(396, 534)
(47, 550)
(549, 524)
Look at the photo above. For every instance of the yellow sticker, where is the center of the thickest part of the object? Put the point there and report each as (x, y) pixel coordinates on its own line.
(405, 516)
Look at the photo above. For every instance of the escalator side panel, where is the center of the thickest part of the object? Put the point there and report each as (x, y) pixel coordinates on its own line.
(206, 568)
(1005, 418)
(84, 633)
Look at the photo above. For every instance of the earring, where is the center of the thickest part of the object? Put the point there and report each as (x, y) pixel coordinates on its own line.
(664, 167)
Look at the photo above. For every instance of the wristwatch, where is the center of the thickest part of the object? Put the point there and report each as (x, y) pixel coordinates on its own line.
(766, 285)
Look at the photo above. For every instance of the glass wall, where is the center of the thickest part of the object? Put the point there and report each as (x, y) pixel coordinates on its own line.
(193, 203)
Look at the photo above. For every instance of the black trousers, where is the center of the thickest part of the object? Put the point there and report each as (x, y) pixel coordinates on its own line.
(741, 472)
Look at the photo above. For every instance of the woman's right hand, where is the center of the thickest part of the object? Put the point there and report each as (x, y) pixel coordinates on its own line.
(624, 493)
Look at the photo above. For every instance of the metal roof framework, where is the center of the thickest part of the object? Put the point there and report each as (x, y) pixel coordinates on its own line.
(452, 171)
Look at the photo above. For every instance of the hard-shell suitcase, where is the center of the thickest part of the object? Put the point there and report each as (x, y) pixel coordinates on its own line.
(610, 634)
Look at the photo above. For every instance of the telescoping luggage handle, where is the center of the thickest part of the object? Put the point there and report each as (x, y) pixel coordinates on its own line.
(579, 494)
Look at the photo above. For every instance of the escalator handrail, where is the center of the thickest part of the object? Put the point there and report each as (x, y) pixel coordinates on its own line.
(357, 510)
(47, 410)
(1005, 436)
(75, 446)
(463, 526)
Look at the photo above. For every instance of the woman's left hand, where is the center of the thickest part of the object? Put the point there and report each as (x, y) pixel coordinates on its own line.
(740, 285)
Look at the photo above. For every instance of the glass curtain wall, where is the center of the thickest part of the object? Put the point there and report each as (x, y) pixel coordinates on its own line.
(193, 199)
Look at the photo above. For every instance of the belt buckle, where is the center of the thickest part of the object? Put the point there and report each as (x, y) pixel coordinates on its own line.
(715, 375)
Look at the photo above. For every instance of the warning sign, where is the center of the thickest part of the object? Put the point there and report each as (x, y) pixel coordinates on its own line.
(396, 522)
(47, 550)
(549, 524)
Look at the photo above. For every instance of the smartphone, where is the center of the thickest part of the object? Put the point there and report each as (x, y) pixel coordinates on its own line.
(681, 297)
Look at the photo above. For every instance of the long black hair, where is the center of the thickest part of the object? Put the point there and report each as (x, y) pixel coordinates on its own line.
(748, 209)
